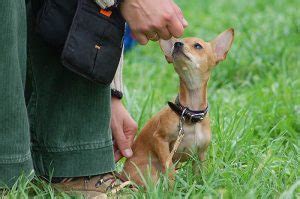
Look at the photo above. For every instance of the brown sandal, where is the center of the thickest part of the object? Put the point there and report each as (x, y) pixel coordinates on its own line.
(93, 186)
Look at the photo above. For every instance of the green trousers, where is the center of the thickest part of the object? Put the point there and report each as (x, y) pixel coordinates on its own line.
(64, 129)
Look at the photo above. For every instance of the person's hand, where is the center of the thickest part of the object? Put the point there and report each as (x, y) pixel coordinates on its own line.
(123, 128)
(153, 19)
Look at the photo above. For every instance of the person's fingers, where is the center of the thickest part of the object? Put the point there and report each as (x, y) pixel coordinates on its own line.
(130, 138)
(179, 15)
(130, 128)
(175, 28)
(164, 33)
(122, 142)
(174, 21)
(185, 23)
(117, 153)
(140, 37)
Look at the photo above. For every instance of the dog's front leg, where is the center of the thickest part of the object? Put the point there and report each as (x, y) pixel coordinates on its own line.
(162, 150)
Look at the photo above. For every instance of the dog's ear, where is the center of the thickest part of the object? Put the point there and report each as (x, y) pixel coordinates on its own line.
(167, 48)
(222, 43)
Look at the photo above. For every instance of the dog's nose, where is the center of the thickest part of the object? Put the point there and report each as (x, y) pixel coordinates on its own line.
(178, 44)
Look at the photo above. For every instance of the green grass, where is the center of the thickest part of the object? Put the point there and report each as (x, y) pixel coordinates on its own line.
(254, 102)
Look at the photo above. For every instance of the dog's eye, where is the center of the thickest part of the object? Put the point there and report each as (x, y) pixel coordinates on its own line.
(198, 46)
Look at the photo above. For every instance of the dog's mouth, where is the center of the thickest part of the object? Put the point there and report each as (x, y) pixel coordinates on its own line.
(178, 52)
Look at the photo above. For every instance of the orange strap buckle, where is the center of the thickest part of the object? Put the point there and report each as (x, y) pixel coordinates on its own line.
(106, 12)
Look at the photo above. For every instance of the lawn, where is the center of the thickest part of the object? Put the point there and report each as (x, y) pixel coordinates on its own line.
(254, 102)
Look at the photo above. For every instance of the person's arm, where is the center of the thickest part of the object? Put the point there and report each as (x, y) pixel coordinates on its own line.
(123, 126)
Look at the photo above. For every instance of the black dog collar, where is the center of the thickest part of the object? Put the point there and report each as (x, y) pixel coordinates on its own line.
(189, 115)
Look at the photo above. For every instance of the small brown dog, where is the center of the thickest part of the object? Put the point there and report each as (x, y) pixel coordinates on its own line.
(193, 60)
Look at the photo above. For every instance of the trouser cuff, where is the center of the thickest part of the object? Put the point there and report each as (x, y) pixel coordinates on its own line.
(74, 163)
(9, 172)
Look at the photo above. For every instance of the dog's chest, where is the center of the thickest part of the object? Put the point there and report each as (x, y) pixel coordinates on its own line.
(195, 137)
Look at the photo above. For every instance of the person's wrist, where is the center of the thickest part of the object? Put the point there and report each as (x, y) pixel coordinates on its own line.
(116, 103)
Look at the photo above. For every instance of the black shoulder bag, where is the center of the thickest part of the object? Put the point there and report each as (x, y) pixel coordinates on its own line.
(92, 46)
